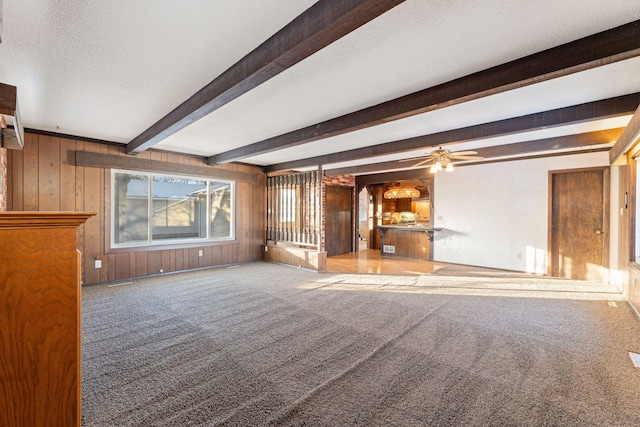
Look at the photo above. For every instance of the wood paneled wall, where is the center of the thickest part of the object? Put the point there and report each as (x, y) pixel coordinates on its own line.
(44, 177)
(309, 259)
(3, 179)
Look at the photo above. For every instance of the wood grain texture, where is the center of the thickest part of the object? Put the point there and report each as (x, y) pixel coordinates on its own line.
(507, 152)
(317, 27)
(370, 261)
(31, 172)
(609, 46)
(141, 264)
(408, 243)
(605, 108)
(39, 319)
(8, 99)
(154, 262)
(45, 175)
(122, 263)
(628, 138)
(67, 175)
(339, 224)
(579, 226)
(309, 259)
(155, 164)
(16, 164)
(93, 233)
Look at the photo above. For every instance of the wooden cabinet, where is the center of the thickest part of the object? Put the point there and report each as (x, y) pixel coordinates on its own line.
(403, 205)
(407, 242)
(396, 205)
(40, 319)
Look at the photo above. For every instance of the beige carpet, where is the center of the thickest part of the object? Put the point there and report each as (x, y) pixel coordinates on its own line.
(264, 344)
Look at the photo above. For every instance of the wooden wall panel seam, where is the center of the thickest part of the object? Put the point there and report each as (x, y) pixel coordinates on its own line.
(81, 188)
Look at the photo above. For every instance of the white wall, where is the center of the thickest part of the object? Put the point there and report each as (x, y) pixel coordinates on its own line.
(617, 266)
(495, 215)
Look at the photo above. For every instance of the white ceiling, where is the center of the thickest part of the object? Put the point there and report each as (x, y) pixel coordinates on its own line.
(109, 70)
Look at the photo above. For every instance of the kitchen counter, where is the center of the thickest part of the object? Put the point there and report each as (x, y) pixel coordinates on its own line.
(410, 227)
(406, 240)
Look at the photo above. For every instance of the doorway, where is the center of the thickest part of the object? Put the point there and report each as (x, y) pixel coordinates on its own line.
(339, 222)
(365, 219)
(578, 224)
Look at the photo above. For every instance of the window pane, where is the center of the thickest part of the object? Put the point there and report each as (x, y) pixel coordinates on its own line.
(220, 209)
(287, 205)
(131, 208)
(179, 208)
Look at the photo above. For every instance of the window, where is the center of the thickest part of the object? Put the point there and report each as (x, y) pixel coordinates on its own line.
(153, 209)
(287, 205)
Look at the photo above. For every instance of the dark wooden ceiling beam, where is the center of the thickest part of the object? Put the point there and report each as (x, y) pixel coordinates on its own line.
(595, 149)
(380, 178)
(589, 52)
(11, 136)
(612, 107)
(627, 139)
(507, 150)
(317, 27)
(112, 161)
(8, 99)
(410, 174)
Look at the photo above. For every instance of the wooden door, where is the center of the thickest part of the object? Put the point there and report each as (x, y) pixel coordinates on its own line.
(338, 229)
(578, 226)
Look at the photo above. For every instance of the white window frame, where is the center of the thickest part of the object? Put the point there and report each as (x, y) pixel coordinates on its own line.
(167, 242)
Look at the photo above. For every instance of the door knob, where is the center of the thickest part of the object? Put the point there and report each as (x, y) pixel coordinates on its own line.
(599, 232)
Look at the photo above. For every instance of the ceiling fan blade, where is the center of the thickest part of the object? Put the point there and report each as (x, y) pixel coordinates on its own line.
(462, 153)
(413, 159)
(422, 163)
(468, 158)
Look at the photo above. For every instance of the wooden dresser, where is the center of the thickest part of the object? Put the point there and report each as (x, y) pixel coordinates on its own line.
(40, 319)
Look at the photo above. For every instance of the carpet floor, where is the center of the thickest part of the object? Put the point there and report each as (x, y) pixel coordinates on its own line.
(269, 345)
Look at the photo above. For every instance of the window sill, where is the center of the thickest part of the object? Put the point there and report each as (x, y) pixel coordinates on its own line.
(173, 246)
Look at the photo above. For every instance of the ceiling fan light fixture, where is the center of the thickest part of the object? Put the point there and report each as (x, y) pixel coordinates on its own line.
(436, 167)
(401, 193)
(442, 159)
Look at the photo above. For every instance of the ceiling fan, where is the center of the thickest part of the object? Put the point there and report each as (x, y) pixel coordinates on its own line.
(443, 159)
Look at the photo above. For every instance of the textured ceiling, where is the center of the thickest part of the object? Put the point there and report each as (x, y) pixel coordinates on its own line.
(109, 70)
